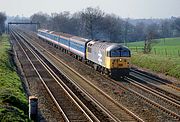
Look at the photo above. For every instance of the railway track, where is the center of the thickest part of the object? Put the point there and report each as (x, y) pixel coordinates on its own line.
(164, 103)
(113, 109)
(169, 101)
(169, 90)
(155, 79)
(64, 101)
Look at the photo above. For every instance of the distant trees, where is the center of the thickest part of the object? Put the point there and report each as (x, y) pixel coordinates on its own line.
(93, 23)
(139, 31)
(151, 33)
(92, 20)
(2, 22)
(128, 32)
(165, 29)
(111, 26)
(125, 30)
(177, 25)
(40, 17)
(60, 22)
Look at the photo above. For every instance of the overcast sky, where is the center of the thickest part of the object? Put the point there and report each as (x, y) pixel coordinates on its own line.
(122, 8)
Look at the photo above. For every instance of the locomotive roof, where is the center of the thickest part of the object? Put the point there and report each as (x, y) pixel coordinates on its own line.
(106, 45)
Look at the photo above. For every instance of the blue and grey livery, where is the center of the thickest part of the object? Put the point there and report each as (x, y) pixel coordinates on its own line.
(109, 58)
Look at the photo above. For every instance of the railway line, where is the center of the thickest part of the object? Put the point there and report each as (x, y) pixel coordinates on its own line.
(65, 102)
(169, 102)
(156, 82)
(116, 112)
(164, 103)
(162, 99)
(130, 86)
(35, 86)
(169, 93)
(157, 79)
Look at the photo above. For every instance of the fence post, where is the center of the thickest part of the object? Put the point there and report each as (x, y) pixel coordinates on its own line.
(165, 51)
(155, 51)
(178, 52)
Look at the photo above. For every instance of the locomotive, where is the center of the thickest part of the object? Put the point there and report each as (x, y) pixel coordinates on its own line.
(109, 58)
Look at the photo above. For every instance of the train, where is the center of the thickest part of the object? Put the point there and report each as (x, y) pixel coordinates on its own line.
(112, 59)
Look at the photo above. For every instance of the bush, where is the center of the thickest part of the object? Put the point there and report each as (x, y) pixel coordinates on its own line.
(13, 103)
(12, 114)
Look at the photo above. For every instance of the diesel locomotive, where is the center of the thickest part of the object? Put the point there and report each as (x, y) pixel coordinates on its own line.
(109, 58)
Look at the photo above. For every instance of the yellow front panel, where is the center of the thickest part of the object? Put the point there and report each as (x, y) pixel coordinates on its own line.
(108, 62)
(86, 53)
(117, 62)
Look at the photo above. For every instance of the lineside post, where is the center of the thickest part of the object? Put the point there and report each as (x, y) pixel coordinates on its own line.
(33, 108)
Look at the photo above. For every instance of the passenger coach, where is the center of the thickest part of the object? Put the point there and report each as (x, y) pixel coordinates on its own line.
(109, 58)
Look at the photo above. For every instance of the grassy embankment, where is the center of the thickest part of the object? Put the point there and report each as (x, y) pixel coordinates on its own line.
(164, 57)
(13, 103)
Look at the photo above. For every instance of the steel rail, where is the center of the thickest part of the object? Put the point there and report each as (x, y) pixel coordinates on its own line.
(66, 118)
(107, 96)
(158, 89)
(151, 102)
(158, 80)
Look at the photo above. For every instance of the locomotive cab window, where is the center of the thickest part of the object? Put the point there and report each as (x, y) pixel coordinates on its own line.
(120, 53)
(125, 53)
(108, 54)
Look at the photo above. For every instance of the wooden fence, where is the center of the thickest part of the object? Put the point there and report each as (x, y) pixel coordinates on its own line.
(159, 51)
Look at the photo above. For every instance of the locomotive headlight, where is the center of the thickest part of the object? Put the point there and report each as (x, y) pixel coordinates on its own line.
(120, 59)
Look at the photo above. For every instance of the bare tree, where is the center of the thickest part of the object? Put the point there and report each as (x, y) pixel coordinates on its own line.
(151, 33)
(165, 29)
(60, 21)
(2, 22)
(93, 23)
(40, 17)
(128, 31)
(91, 18)
(177, 25)
(111, 27)
(139, 31)
(75, 24)
(126, 28)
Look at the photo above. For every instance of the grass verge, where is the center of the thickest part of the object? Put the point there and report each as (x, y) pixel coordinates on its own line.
(13, 103)
(166, 65)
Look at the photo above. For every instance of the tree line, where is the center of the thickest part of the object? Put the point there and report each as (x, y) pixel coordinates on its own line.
(2, 22)
(93, 23)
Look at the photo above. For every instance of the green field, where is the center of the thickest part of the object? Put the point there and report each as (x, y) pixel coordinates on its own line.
(13, 103)
(169, 47)
(164, 57)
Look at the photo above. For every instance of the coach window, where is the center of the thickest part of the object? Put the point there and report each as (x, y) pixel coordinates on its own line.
(89, 49)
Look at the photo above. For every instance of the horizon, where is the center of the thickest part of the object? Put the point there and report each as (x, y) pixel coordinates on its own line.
(25, 17)
(135, 9)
